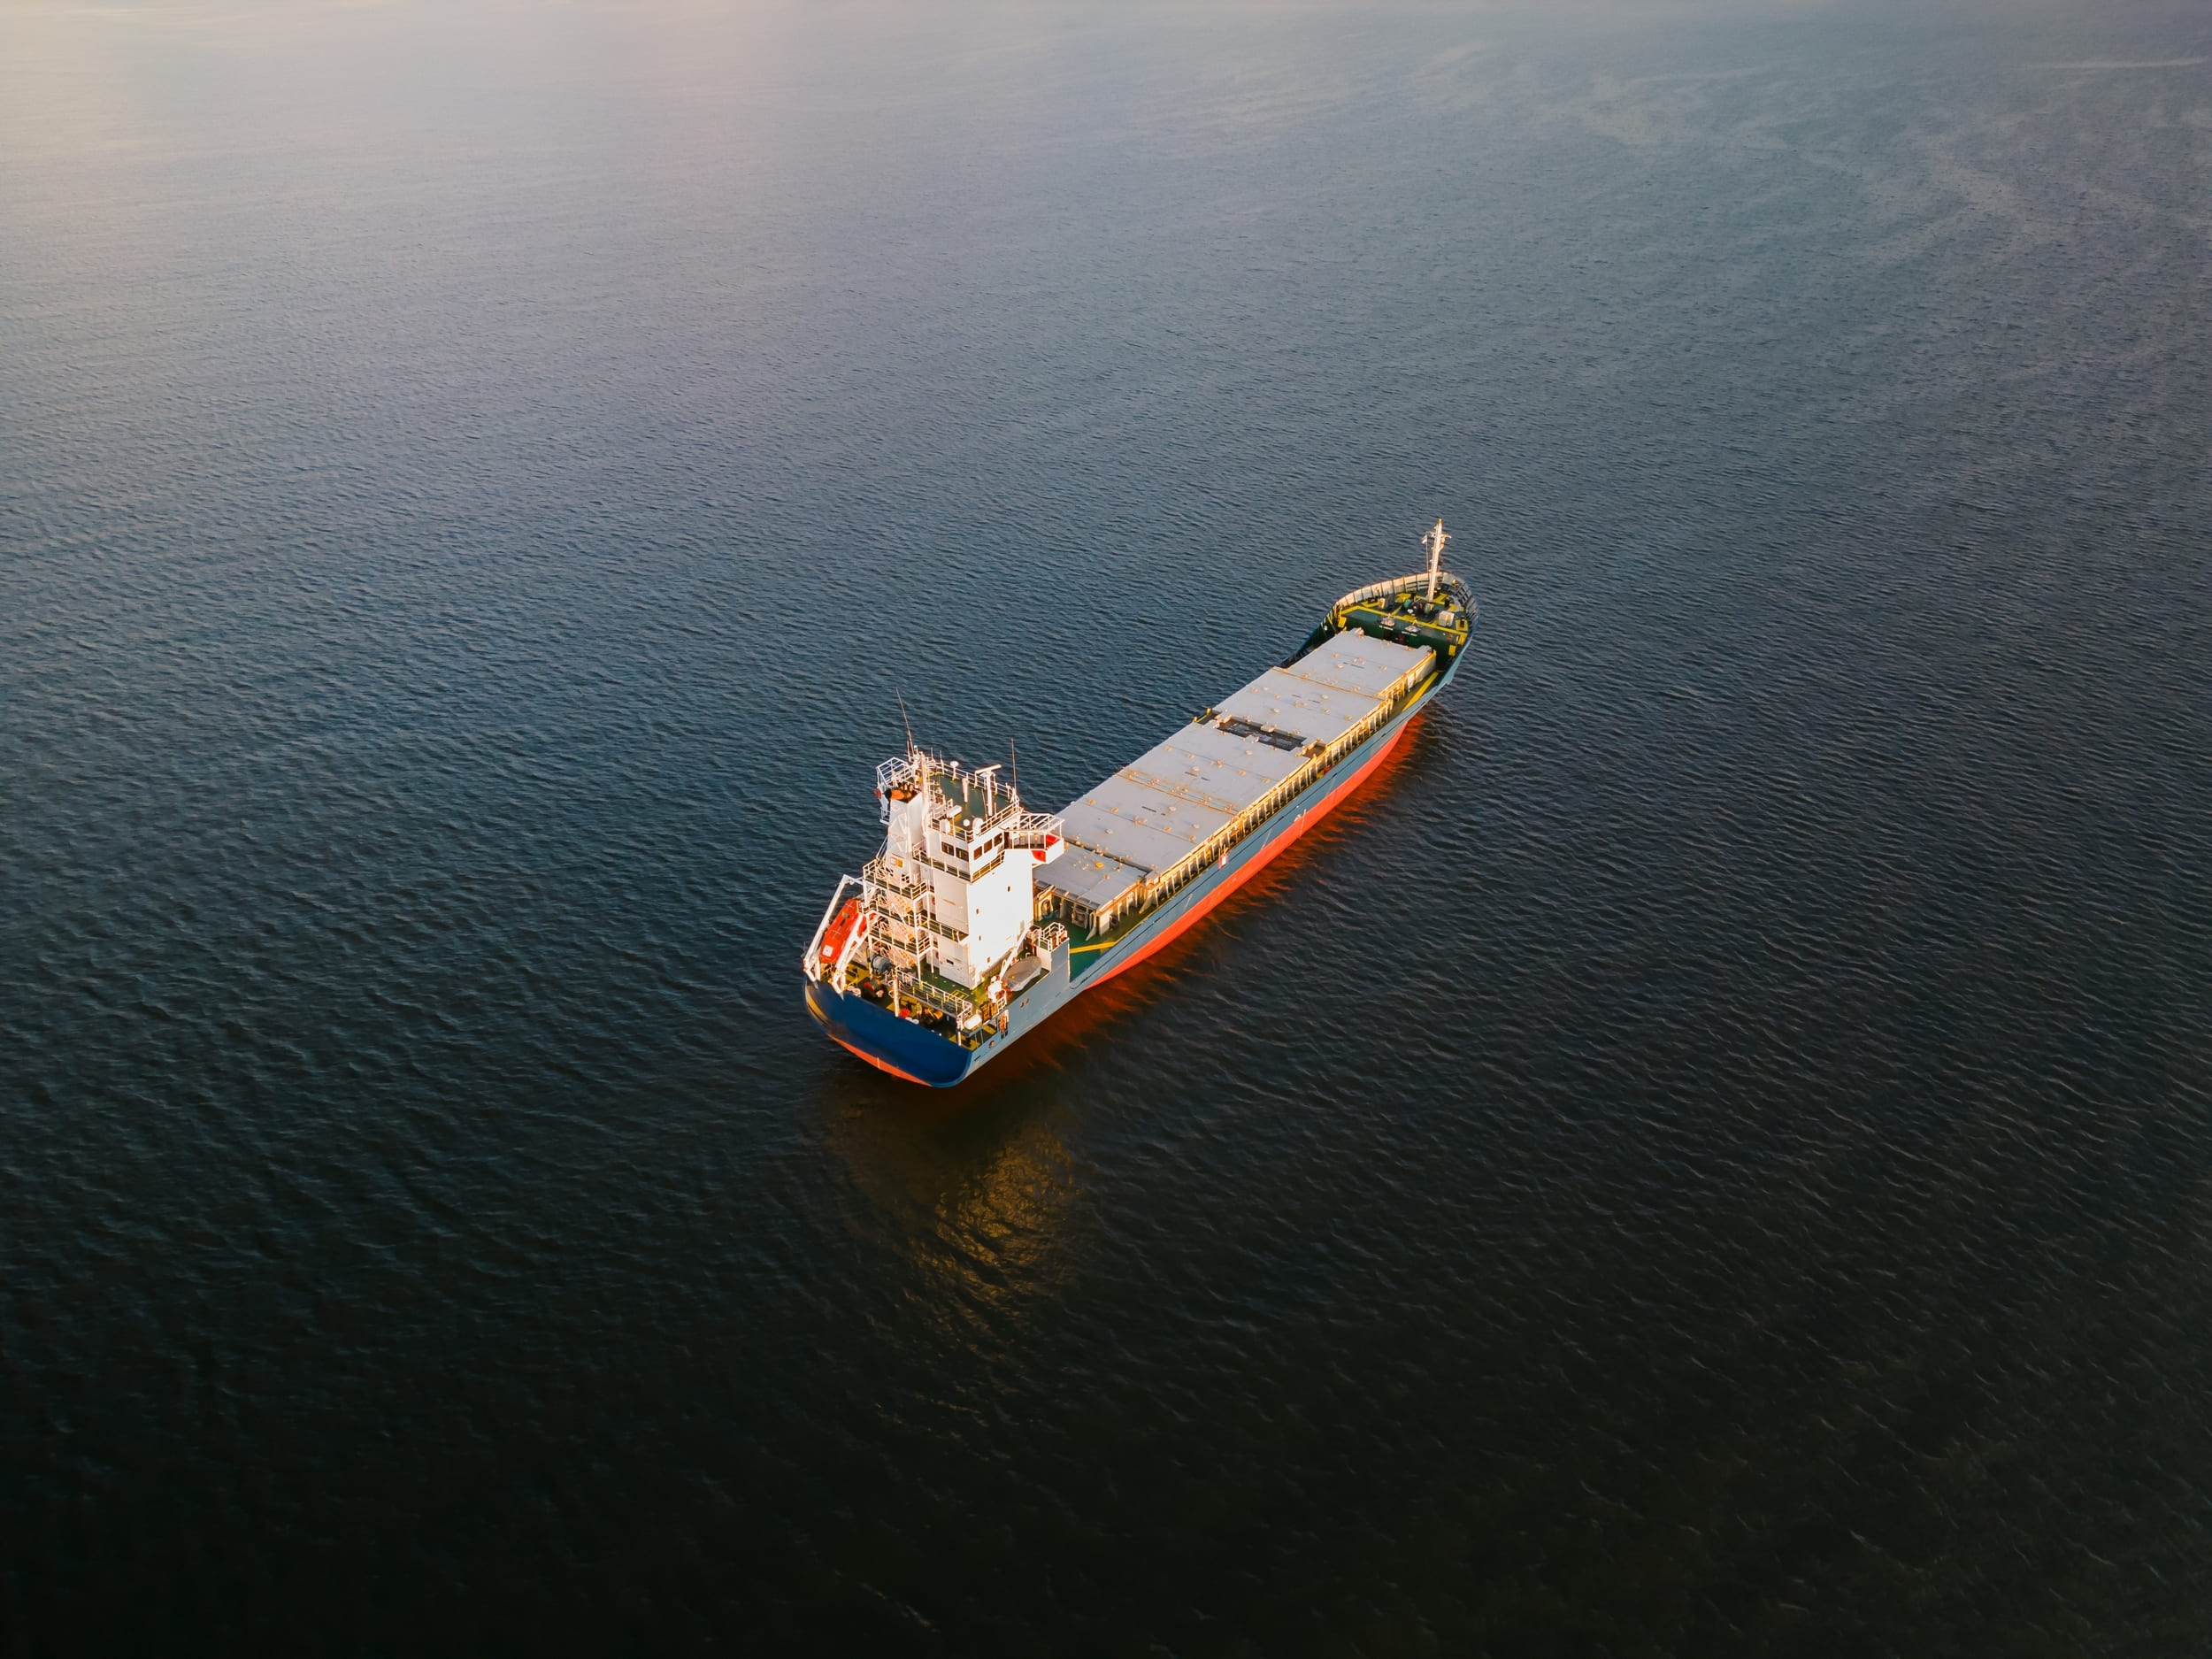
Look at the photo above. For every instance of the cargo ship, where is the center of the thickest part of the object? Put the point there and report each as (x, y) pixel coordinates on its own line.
(979, 919)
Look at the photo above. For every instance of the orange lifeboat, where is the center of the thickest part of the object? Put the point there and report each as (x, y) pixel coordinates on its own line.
(839, 931)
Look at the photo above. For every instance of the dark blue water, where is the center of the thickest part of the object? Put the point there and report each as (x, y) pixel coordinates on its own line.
(1712, 1153)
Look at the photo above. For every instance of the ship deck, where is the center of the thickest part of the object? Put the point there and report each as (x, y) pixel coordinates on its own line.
(1212, 805)
(1146, 830)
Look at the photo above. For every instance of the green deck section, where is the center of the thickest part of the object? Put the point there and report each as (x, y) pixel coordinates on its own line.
(973, 802)
(1085, 948)
(1404, 630)
(1400, 617)
(937, 981)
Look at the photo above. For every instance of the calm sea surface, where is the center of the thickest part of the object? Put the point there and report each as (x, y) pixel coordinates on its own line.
(1711, 1153)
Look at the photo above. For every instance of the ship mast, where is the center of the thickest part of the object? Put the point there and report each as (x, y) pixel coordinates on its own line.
(1434, 542)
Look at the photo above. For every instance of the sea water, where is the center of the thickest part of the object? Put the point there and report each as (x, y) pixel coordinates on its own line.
(1709, 1153)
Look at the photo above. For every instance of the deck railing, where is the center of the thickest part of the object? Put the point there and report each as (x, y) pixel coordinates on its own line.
(1461, 596)
(1036, 829)
(1157, 887)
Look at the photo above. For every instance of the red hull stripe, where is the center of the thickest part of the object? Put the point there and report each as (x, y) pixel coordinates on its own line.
(1244, 875)
(880, 1065)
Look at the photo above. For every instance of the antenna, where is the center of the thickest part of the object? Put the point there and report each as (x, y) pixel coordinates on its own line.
(1014, 776)
(1434, 541)
(908, 724)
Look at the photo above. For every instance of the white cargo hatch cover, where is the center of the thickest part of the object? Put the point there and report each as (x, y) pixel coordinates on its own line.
(1169, 801)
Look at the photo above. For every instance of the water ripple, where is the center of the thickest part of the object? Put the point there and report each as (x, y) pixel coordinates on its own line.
(1706, 1153)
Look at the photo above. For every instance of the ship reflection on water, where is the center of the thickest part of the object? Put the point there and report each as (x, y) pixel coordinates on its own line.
(981, 1196)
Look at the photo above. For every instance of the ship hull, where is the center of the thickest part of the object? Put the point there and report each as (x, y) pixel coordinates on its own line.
(907, 1050)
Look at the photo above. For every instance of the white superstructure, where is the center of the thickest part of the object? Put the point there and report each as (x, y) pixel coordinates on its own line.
(949, 902)
(961, 842)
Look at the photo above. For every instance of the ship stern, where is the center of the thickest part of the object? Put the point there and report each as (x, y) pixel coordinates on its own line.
(900, 1047)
